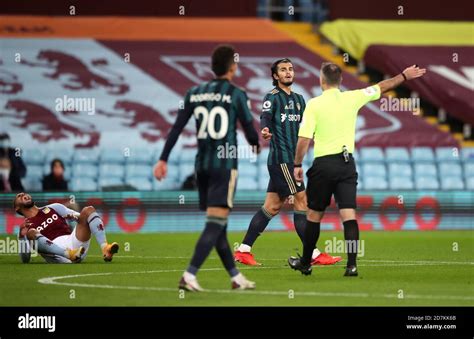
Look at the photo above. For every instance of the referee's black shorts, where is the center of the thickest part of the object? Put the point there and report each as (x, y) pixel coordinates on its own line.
(330, 175)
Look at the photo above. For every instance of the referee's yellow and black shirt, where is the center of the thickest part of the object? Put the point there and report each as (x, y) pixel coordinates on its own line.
(331, 118)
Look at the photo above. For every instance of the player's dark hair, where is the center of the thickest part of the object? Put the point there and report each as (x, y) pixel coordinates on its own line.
(332, 73)
(274, 69)
(222, 58)
(14, 206)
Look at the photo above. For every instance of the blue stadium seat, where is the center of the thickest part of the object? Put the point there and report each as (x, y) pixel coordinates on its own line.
(371, 154)
(359, 169)
(375, 183)
(90, 156)
(470, 183)
(166, 184)
(374, 170)
(185, 170)
(142, 155)
(425, 169)
(140, 183)
(422, 154)
(449, 169)
(247, 169)
(399, 170)
(447, 154)
(187, 155)
(32, 184)
(397, 154)
(360, 184)
(426, 183)
(110, 181)
(83, 184)
(65, 154)
(84, 170)
(247, 183)
(452, 183)
(33, 156)
(469, 169)
(138, 170)
(35, 171)
(262, 184)
(263, 156)
(112, 156)
(467, 154)
(173, 172)
(108, 170)
(401, 183)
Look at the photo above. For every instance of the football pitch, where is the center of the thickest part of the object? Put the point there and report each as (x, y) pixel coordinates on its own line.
(399, 268)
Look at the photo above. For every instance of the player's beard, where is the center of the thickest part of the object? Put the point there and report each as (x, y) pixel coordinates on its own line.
(288, 83)
(29, 204)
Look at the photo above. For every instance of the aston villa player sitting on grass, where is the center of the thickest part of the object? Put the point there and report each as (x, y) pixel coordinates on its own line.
(280, 120)
(56, 243)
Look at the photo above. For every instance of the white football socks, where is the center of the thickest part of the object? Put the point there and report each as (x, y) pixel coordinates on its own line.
(244, 248)
(97, 228)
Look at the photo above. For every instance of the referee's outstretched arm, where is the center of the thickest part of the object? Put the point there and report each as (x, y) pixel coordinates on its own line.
(409, 73)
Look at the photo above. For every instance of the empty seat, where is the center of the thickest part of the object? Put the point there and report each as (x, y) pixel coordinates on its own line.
(425, 169)
(262, 169)
(450, 169)
(262, 184)
(113, 155)
(138, 170)
(247, 170)
(401, 183)
(86, 156)
(469, 169)
(375, 183)
(263, 156)
(447, 154)
(111, 170)
(166, 184)
(247, 183)
(83, 184)
(33, 156)
(426, 183)
(360, 184)
(467, 154)
(187, 155)
(470, 183)
(185, 170)
(35, 171)
(84, 170)
(421, 154)
(140, 183)
(110, 181)
(32, 184)
(398, 154)
(399, 170)
(371, 154)
(452, 183)
(141, 155)
(374, 169)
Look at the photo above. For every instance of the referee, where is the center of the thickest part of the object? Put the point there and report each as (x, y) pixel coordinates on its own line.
(331, 120)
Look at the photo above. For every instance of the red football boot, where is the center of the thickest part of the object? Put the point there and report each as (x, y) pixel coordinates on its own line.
(245, 258)
(325, 259)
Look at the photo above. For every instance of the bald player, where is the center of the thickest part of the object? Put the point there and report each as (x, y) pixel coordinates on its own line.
(49, 228)
(331, 120)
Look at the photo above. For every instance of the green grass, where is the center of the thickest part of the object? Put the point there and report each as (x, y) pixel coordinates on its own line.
(421, 264)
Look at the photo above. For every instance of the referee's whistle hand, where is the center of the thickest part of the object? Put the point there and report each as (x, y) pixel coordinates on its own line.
(298, 173)
(160, 170)
(266, 135)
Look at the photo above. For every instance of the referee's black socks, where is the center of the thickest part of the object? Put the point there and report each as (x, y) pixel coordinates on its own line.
(351, 235)
(311, 236)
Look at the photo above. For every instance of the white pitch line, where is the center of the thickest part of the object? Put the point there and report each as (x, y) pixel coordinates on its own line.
(54, 281)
